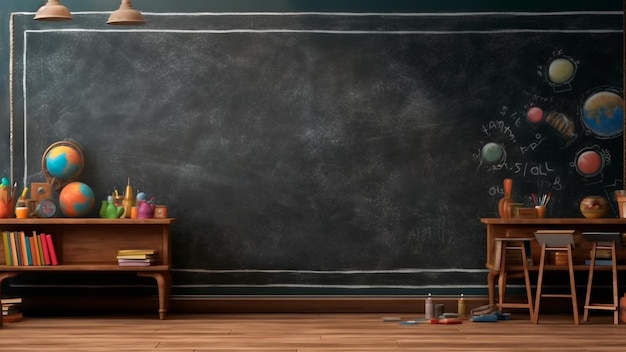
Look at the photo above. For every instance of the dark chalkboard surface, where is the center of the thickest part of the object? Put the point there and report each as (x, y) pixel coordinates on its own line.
(325, 153)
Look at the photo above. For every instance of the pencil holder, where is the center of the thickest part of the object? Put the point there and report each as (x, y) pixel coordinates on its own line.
(541, 211)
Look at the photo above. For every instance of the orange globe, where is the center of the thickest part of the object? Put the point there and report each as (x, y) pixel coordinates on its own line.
(76, 200)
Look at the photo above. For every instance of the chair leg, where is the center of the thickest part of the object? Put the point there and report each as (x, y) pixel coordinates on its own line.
(529, 298)
(615, 288)
(542, 262)
(502, 279)
(572, 283)
(592, 265)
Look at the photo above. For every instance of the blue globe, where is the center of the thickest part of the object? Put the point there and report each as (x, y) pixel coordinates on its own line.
(63, 162)
(603, 114)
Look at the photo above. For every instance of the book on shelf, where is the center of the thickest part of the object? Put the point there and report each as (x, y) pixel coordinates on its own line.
(136, 252)
(25, 244)
(600, 262)
(39, 248)
(53, 255)
(7, 248)
(134, 263)
(124, 260)
(46, 251)
(14, 246)
(135, 256)
(34, 250)
(18, 248)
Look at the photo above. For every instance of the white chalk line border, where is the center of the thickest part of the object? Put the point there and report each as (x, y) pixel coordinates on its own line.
(355, 32)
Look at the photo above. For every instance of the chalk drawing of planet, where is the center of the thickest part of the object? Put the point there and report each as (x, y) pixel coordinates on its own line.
(589, 163)
(534, 114)
(492, 153)
(603, 113)
(561, 71)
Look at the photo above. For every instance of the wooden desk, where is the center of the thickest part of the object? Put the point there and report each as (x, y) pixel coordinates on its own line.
(91, 245)
(498, 227)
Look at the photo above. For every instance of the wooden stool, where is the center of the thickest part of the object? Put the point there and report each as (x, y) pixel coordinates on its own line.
(504, 245)
(603, 241)
(552, 241)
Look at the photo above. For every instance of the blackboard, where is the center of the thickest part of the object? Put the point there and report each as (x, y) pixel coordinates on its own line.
(315, 153)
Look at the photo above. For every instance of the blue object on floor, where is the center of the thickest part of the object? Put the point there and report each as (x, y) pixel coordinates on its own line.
(486, 318)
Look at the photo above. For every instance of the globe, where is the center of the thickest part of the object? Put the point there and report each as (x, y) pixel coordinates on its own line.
(63, 162)
(603, 113)
(76, 200)
(594, 207)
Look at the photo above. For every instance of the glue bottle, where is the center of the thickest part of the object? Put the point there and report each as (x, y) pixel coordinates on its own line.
(461, 309)
(428, 307)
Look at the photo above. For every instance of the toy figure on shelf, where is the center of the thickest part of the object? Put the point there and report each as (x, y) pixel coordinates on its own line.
(145, 208)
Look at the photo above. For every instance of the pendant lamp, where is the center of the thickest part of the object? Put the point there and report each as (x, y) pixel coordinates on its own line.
(53, 11)
(126, 15)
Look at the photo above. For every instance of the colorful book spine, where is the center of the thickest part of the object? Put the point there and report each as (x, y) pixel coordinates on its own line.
(34, 250)
(46, 252)
(39, 247)
(7, 248)
(21, 236)
(14, 248)
(27, 251)
(53, 255)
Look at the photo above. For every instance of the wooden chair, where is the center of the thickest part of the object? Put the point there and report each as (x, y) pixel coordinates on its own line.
(553, 241)
(504, 246)
(603, 241)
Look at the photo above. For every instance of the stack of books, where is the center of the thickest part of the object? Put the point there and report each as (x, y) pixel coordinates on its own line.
(11, 311)
(135, 257)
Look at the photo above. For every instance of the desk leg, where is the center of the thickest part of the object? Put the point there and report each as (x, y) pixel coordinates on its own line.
(163, 280)
(491, 282)
(2, 277)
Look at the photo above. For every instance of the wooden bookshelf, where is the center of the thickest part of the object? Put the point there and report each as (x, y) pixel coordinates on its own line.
(499, 228)
(91, 244)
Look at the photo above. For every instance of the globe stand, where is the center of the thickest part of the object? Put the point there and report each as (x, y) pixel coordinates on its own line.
(56, 182)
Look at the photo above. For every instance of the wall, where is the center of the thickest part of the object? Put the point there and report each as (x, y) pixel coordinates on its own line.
(335, 153)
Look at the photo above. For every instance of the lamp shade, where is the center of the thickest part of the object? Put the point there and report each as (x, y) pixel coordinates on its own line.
(53, 11)
(126, 15)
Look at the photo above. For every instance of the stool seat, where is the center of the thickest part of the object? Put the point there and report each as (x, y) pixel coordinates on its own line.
(610, 243)
(553, 241)
(506, 245)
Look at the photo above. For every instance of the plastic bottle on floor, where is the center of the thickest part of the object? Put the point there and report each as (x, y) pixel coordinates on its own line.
(428, 307)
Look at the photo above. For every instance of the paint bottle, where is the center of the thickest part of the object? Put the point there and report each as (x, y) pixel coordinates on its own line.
(428, 307)
(461, 308)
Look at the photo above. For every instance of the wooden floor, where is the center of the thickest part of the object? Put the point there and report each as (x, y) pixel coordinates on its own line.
(306, 333)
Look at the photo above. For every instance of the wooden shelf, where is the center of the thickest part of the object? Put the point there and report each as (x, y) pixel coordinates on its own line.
(83, 267)
(91, 245)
